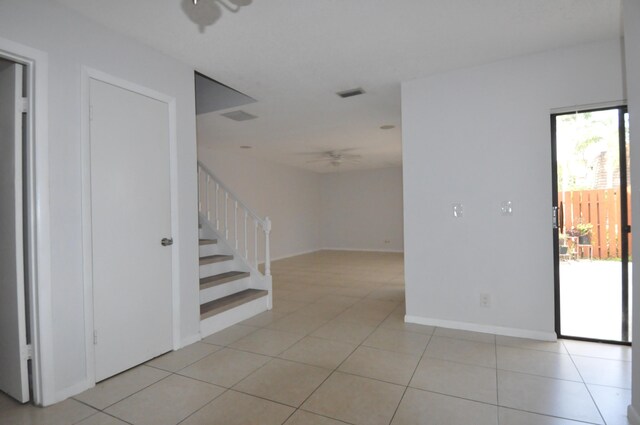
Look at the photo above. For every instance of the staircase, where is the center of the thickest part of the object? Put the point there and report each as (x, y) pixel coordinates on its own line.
(234, 243)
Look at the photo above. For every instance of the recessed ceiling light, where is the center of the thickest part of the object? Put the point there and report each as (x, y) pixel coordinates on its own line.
(245, 147)
(387, 127)
(350, 92)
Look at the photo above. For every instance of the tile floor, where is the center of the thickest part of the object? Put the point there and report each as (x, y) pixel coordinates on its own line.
(335, 350)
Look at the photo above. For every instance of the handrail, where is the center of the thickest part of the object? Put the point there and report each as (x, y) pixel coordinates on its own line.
(215, 218)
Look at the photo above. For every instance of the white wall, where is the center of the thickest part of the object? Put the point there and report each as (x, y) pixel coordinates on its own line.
(479, 136)
(362, 209)
(631, 16)
(289, 196)
(71, 42)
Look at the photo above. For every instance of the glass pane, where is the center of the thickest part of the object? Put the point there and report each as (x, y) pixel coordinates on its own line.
(588, 163)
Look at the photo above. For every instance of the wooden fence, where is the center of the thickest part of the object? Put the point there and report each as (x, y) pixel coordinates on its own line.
(601, 208)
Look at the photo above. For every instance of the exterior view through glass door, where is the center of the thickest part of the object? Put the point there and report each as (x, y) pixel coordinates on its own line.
(592, 232)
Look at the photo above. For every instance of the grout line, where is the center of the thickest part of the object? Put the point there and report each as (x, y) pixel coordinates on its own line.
(587, 388)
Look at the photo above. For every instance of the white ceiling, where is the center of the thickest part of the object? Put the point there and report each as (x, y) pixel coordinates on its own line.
(293, 55)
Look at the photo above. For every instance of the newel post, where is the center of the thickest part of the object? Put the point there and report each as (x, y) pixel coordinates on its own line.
(267, 254)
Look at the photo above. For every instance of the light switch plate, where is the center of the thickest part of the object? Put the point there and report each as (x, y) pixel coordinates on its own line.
(457, 210)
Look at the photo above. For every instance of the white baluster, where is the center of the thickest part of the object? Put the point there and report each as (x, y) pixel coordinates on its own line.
(217, 202)
(267, 254)
(226, 215)
(206, 198)
(246, 248)
(235, 223)
(255, 242)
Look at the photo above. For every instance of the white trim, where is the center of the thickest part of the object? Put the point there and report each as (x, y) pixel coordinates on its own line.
(40, 309)
(393, 251)
(191, 339)
(600, 105)
(632, 415)
(87, 256)
(489, 329)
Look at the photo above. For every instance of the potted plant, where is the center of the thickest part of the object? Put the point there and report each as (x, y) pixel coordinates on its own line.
(585, 233)
(562, 242)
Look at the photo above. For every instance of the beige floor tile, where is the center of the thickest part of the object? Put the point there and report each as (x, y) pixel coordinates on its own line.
(101, 419)
(306, 418)
(234, 408)
(283, 381)
(397, 322)
(349, 332)
(387, 366)
(396, 340)
(456, 379)
(298, 324)
(534, 362)
(531, 344)
(166, 402)
(322, 310)
(612, 403)
(263, 319)
(462, 351)
(230, 335)
(121, 386)
(182, 358)
(595, 349)
(518, 417)
(284, 306)
(320, 352)
(355, 399)
(466, 335)
(422, 407)
(267, 342)
(67, 412)
(612, 373)
(225, 367)
(547, 396)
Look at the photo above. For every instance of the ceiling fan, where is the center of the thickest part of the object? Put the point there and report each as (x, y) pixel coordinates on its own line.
(335, 157)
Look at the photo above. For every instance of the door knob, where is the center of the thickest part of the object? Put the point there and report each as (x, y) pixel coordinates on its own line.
(166, 241)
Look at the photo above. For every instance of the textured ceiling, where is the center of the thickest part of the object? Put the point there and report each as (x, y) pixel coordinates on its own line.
(293, 55)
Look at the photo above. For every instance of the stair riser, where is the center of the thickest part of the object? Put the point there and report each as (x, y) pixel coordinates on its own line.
(219, 291)
(211, 249)
(217, 268)
(228, 318)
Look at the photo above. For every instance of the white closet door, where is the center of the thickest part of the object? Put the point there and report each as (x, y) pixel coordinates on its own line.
(131, 214)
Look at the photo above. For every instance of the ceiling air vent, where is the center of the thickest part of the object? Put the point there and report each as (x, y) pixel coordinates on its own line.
(350, 93)
(239, 116)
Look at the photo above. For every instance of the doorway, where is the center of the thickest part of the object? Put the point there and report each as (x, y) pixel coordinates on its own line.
(592, 232)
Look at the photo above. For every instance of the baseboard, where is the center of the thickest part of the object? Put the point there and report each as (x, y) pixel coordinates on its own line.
(393, 251)
(632, 415)
(192, 339)
(282, 257)
(489, 329)
(76, 389)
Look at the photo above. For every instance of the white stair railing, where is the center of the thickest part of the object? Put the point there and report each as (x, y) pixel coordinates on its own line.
(222, 209)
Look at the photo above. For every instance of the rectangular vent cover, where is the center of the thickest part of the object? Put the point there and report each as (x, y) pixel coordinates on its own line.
(239, 116)
(350, 93)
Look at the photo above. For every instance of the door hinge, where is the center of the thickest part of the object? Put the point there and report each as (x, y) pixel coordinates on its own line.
(28, 352)
(95, 337)
(24, 105)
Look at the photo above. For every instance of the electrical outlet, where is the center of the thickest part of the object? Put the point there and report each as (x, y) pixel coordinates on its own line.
(485, 300)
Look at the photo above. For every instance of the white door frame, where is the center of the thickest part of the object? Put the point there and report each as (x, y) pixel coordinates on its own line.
(39, 245)
(87, 75)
